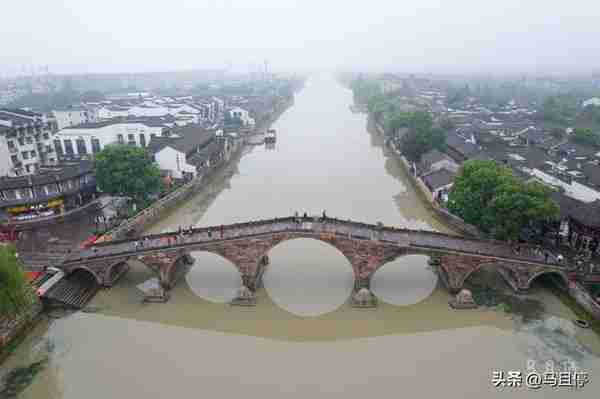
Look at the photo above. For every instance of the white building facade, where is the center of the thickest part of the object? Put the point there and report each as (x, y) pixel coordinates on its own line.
(89, 139)
(242, 115)
(75, 116)
(174, 161)
(25, 142)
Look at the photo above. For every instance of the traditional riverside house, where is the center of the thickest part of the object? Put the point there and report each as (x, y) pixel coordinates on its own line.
(433, 160)
(459, 148)
(177, 155)
(580, 222)
(439, 182)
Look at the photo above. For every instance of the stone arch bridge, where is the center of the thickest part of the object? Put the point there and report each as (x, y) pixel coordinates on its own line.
(367, 247)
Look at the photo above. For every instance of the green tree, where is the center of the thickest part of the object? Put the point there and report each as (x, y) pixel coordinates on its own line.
(421, 137)
(490, 197)
(363, 89)
(127, 170)
(12, 283)
(586, 136)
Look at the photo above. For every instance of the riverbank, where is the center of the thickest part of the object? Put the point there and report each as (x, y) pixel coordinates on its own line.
(575, 296)
(14, 329)
(453, 222)
(156, 211)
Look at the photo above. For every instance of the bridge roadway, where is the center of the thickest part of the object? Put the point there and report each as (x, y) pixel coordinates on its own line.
(405, 238)
(367, 247)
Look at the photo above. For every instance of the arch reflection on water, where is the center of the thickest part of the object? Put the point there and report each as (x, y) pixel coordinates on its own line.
(405, 281)
(213, 277)
(308, 277)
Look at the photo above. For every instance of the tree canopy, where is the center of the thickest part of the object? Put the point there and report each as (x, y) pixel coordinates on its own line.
(364, 90)
(490, 197)
(586, 136)
(126, 170)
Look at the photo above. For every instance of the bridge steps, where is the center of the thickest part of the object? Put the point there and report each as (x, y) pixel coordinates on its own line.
(72, 292)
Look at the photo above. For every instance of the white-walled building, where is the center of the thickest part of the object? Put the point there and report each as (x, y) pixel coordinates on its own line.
(594, 101)
(112, 111)
(91, 138)
(75, 116)
(242, 115)
(174, 160)
(25, 142)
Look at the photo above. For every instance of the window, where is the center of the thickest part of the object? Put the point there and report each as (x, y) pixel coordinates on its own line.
(152, 135)
(46, 136)
(33, 154)
(11, 144)
(120, 139)
(142, 140)
(68, 147)
(28, 168)
(14, 159)
(95, 146)
(29, 139)
(58, 148)
(131, 137)
(21, 141)
(81, 148)
(25, 155)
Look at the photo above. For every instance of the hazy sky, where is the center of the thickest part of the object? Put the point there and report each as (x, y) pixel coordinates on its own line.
(418, 35)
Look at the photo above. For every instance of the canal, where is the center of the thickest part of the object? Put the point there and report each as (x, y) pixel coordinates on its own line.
(302, 339)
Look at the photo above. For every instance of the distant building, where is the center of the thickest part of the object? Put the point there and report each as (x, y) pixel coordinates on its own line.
(75, 116)
(241, 114)
(25, 141)
(594, 101)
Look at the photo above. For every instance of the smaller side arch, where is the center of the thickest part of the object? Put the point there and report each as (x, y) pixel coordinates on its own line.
(89, 272)
(562, 276)
(115, 271)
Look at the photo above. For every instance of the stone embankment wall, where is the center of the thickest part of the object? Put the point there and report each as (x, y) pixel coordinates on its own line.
(12, 327)
(453, 221)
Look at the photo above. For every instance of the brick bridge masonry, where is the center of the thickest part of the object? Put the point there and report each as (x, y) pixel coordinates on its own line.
(367, 247)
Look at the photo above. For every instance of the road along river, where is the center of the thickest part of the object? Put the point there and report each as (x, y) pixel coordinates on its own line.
(302, 339)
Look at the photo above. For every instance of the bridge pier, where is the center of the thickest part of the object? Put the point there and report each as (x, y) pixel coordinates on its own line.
(169, 267)
(362, 297)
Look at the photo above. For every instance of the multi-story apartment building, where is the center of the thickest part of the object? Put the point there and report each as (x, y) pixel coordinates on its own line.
(26, 141)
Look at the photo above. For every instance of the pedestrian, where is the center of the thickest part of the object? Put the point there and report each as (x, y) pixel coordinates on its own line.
(222, 228)
(546, 256)
(324, 215)
(209, 234)
(559, 258)
(305, 215)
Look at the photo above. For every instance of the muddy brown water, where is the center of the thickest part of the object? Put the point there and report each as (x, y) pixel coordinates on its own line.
(302, 339)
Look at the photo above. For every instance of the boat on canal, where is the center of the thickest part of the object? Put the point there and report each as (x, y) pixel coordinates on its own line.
(271, 136)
